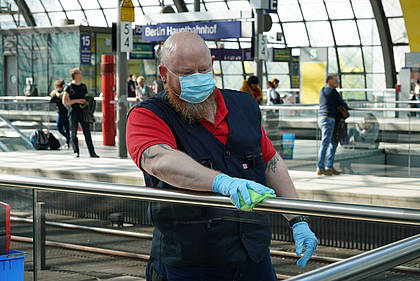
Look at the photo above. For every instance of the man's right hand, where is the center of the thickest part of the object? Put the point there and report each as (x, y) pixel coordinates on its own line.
(82, 101)
(230, 186)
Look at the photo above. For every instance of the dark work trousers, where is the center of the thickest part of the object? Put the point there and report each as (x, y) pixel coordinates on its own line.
(63, 126)
(248, 271)
(76, 118)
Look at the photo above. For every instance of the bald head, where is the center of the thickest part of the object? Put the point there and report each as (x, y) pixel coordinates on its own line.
(183, 54)
(182, 42)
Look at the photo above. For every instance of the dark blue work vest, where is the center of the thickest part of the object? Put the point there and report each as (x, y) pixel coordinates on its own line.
(208, 236)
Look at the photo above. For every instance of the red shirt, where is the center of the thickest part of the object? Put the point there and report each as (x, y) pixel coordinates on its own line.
(144, 129)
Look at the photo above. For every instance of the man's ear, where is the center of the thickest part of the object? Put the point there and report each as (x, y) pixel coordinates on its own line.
(212, 63)
(163, 72)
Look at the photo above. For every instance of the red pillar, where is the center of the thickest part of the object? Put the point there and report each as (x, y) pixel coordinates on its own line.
(108, 94)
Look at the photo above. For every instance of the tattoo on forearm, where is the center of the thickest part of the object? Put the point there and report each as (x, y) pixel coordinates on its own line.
(148, 154)
(165, 146)
(272, 164)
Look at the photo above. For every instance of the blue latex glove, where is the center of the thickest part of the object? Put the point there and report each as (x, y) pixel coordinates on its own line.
(303, 235)
(230, 186)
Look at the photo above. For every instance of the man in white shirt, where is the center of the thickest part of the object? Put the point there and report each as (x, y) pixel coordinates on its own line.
(143, 92)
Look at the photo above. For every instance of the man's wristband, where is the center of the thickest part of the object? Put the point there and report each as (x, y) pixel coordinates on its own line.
(299, 219)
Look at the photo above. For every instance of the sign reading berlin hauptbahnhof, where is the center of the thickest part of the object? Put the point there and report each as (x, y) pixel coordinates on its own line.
(207, 30)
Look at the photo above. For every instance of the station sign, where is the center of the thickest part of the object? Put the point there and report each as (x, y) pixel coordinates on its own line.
(207, 30)
(142, 51)
(262, 47)
(85, 48)
(232, 54)
(127, 11)
(282, 55)
(270, 6)
(126, 36)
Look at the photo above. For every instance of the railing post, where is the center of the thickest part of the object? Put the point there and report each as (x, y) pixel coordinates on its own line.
(34, 234)
(40, 235)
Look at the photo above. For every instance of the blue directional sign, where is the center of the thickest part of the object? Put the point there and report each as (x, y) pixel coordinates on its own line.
(207, 30)
(232, 54)
(85, 48)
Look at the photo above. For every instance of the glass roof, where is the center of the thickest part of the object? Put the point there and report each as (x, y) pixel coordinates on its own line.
(347, 27)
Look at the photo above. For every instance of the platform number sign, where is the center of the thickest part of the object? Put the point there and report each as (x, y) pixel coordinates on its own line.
(126, 36)
(85, 48)
(262, 47)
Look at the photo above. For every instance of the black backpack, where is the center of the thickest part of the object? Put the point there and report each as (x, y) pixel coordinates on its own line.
(277, 99)
(53, 142)
(40, 140)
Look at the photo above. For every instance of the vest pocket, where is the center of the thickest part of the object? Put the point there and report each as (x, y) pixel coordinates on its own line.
(253, 159)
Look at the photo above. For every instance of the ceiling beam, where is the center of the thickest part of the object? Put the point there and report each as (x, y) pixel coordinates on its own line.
(26, 12)
(386, 43)
(180, 6)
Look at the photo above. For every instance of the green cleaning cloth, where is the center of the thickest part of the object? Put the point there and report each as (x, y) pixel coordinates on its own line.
(255, 199)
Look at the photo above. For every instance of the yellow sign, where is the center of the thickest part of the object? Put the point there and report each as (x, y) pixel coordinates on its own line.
(312, 81)
(127, 11)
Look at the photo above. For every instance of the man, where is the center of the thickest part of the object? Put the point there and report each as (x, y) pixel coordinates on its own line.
(251, 86)
(194, 136)
(75, 95)
(131, 86)
(30, 91)
(143, 92)
(329, 100)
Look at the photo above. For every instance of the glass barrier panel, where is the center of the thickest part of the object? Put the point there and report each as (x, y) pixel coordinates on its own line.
(21, 206)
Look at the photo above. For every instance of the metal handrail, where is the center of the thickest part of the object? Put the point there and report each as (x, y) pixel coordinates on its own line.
(19, 132)
(316, 107)
(277, 205)
(366, 264)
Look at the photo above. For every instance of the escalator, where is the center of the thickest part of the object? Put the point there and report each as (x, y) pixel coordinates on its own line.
(11, 138)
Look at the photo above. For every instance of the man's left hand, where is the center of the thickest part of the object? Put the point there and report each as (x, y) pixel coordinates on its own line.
(303, 235)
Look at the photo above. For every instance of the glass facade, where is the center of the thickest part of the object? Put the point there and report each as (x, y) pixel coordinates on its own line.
(45, 57)
(347, 27)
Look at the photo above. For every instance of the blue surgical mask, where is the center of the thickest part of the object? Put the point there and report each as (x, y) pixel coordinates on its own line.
(197, 87)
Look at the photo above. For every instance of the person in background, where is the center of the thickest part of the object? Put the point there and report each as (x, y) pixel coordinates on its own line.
(62, 122)
(143, 92)
(273, 97)
(157, 86)
(30, 91)
(75, 95)
(413, 98)
(251, 86)
(194, 136)
(366, 132)
(329, 100)
(131, 86)
(417, 89)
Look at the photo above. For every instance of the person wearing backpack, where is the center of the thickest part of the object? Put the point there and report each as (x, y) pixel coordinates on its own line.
(62, 122)
(273, 97)
(74, 96)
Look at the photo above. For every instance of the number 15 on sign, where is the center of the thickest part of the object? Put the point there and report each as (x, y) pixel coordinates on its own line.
(126, 33)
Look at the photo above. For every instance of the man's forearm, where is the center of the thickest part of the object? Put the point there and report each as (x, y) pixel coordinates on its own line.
(177, 168)
(279, 179)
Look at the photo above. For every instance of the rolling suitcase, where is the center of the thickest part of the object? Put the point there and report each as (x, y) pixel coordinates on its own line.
(4, 228)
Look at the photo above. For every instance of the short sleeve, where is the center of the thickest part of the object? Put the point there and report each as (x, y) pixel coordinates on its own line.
(144, 129)
(267, 148)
